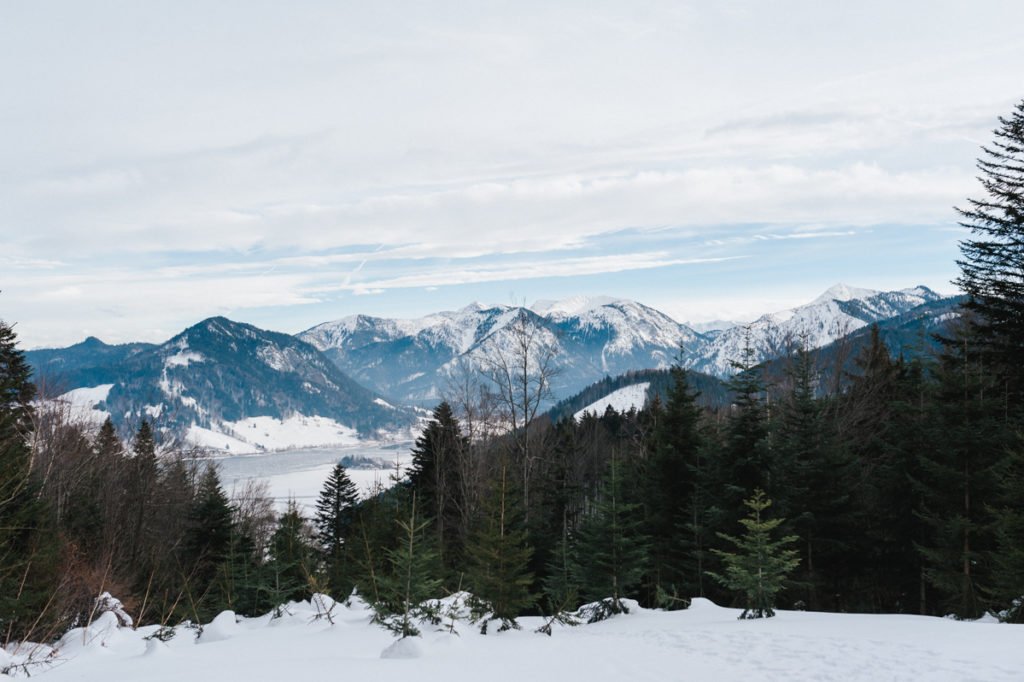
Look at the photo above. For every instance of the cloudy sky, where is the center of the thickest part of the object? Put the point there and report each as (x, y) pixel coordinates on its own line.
(289, 163)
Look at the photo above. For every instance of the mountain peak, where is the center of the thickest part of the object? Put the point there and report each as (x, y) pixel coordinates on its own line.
(574, 305)
(844, 292)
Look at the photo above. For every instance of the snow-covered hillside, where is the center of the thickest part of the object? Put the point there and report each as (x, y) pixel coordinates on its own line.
(417, 360)
(622, 400)
(705, 642)
(840, 310)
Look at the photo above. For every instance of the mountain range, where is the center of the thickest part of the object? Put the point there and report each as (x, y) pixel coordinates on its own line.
(360, 372)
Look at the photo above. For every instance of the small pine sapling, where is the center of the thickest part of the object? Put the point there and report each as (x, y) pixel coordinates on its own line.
(760, 565)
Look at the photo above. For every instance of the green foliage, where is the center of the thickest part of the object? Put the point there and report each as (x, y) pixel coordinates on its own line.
(291, 559)
(499, 557)
(334, 521)
(404, 591)
(435, 475)
(759, 567)
(611, 554)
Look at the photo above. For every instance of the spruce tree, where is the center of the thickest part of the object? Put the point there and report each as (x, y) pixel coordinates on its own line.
(435, 474)
(335, 515)
(411, 579)
(499, 557)
(992, 262)
(760, 565)
(291, 559)
(675, 494)
(959, 479)
(28, 542)
(611, 554)
(208, 542)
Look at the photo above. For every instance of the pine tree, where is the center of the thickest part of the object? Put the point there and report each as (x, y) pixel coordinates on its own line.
(959, 479)
(208, 542)
(291, 558)
(815, 495)
(404, 591)
(675, 495)
(992, 263)
(28, 542)
(436, 476)
(760, 565)
(611, 553)
(1007, 583)
(335, 516)
(499, 557)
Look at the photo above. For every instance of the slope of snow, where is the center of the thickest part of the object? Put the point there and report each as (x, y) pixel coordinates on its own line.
(261, 434)
(844, 292)
(705, 642)
(621, 400)
(81, 403)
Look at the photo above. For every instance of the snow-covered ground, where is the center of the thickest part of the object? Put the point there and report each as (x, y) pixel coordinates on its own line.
(621, 400)
(258, 434)
(705, 642)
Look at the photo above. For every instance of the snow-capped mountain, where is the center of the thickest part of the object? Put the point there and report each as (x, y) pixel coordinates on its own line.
(415, 360)
(217, 379)
(839, 311)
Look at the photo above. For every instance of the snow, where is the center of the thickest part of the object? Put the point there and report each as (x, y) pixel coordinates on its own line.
(844, 292)
(260, 434)
(621, 400)
(182, 359)
(81, 403)
(705, 642)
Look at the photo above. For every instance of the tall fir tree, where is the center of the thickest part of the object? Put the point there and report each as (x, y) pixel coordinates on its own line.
(335, 516)
(208, 543)
(675, 495)
(499, 557)
(436, 476)
(959, 479)
(29, 551)
(611, 553)
(291, 560)
(992, 262)
(411, 579)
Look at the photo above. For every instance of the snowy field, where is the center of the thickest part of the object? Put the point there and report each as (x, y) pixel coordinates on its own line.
(703, 643)
(300, 474)
(622, 400)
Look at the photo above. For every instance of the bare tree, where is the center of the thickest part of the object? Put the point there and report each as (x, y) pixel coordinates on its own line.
(520, 373)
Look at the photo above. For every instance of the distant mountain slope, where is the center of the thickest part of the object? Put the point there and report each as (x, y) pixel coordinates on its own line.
(413, 360)
(712, 391)
(220, 372)
(839, 311)
(89, 363)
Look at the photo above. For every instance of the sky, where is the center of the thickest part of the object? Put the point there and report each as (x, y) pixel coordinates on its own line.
(285, 164)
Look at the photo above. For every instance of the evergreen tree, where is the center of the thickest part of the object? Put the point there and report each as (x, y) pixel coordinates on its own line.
(611, 554)
(411, 580)
(992, 263)
(959, 480)
(335, 515)
(291, 558)
(815, 495)
(208, 542)
(675, 495)
(760, 565)
(499, 557)
(1007, 586)
(28, 542)
(436, 476)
